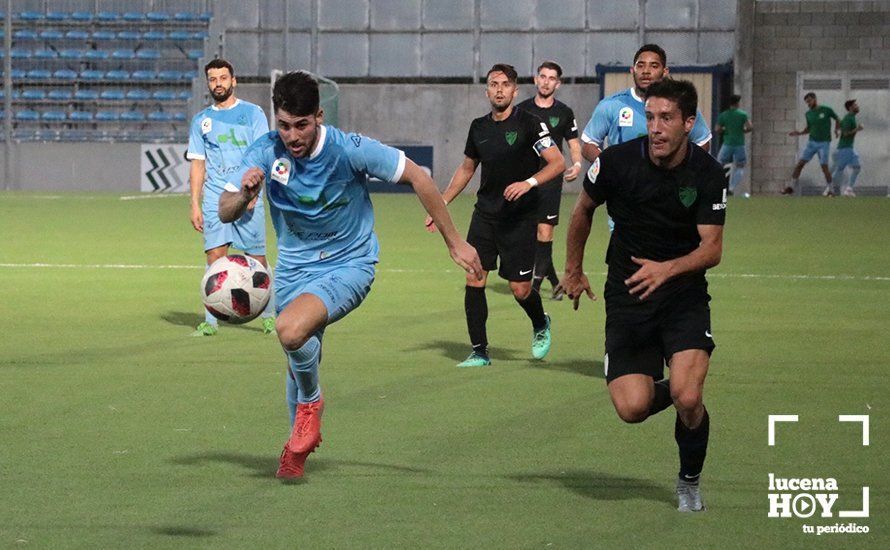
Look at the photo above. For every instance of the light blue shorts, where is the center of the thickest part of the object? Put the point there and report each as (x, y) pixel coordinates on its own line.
(844, 158)
(247, 234)
(341, 287)
(813, 148)
(732, 153)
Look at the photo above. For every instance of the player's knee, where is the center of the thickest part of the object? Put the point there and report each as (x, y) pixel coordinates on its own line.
(632, 412)
(521, 292)
(686, 400)
(291, 336)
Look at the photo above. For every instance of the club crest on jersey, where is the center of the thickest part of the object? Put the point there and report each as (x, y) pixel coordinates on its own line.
(511, 137)
(554, 121)
(594, 170)
(281, 170)
(688, 195)
(626, 117)
(206, 125)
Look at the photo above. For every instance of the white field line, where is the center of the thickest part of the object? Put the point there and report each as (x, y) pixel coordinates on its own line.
(152, 196)
(786, 276)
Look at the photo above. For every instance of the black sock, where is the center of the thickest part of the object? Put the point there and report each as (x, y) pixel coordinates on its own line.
(535, 310)
(662, 399)
(551, 275)
(476, 308)
(543, 262)
(693, 445)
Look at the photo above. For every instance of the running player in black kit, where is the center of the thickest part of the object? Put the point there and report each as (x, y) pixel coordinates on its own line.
(560, 119)
(508, 143)
(668, 199)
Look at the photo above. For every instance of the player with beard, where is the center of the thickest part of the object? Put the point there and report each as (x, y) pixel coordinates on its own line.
(218, 137)
(667, 197)
(560, 119)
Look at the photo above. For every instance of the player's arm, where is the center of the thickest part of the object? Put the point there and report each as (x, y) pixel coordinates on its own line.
(575, 154)
(748, 127)
(461, 252)
(574, 282)
(458, 183)
(233, 204)
(556, 165)
(806, 130)
(197, 171)
(652, 275)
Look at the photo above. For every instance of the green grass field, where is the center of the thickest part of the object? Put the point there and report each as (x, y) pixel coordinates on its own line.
(117, 429)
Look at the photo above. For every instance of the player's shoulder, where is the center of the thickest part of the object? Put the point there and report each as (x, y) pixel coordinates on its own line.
(251, 107)
(201, 115)
(625, 152)
(527, 104)
(702, 161)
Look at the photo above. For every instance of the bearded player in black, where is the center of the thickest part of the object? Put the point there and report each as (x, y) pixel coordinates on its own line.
(668, 199)
(560, 119)
(508, 143)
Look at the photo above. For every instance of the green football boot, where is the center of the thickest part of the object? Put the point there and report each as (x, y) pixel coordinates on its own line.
(268, 325)
(205, 329)
(541, 341)
(475, 360)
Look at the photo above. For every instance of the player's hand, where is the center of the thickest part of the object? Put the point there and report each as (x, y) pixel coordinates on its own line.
(467, 258)
(428, 223)
(574, 285)
(648, 278)
(197, 219)
(252, 204)
(793, 133)
(252, 182)
(572, 173)
(516, 190)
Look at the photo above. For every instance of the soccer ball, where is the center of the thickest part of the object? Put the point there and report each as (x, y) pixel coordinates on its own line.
(236, 288)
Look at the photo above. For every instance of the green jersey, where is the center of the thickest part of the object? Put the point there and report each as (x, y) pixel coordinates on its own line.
(819, 121)
(847, 123)
(733, 123)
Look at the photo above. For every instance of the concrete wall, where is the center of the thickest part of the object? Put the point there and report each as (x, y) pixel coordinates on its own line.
(807, 36)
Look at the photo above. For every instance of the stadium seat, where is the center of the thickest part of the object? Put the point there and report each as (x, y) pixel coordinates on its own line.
(206, 16)
(195, 54)
(179, 116)
(138, 94)
(185, 94)
(86, 95)
(154, 35)
(134, 16)
(17, 74)
(39, 74)
(65, 74)
(104, 35)
(144, 74)
(54, 116)
(81, 16)
(164, 95)
(133, 116)
(123, 54)
(96, 55)
(200, 35)
(92, 74)
(107, 116)
(112, 94)
(19, 53)
(160, 116)
(71, 53)
(77, 34)
(24, 34)
(59, 94)
(27, 115)
(31, 16)
(107, 16)
(45, 54)
(117, 75)
(51, 34)
(148, 54)
(157, 16)
(129, 35)
(56, 16)
(185, 16)
(80, 116)
(181, 35)
(169, 74)
(34, 94)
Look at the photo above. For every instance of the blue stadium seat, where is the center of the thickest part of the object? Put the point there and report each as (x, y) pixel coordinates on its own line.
(144, 74)
(108, 16)
(154, 35)
(160, 116)
(34, 94)
(181, 35)
(164, 95)
(77, 34)
(96, 55)
(45, 54)
(185, 94)
(92, 74)
(108, 116)
(38, 74)
(71, 53)
(112, 94)
(195, 54)
(51, 34)
(54, 116)
(31, 16)
(185, 16)
(27, 115)
(86, 95)
(138, 94)
(179, 117)
(123, 54)
(80, 116)
(81, 16)
(200, 35)
(169, 74)
(129, 35)
(17, 74)
(187, 75)
(158, 16)
(135, 16)
(206, 16)
(117, 75)
(19, 53)
(59, 94)
(24, 34)
(65, 74)
(133, 116)
(148, 54)
(56, 16)
(104, 35)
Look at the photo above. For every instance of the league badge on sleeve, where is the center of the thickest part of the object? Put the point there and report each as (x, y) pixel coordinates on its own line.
(594, 170)
(281, 170)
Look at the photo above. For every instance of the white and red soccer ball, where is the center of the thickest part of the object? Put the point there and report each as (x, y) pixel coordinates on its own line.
(236, 288)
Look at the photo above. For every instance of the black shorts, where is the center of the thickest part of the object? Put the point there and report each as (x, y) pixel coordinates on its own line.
(549, 197)
(513, 240)
(642, 336)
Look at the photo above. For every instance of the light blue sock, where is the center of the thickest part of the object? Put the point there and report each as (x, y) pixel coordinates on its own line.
(291, 393)
(854, 173)
(838, 177)
(736, 177)
(208, 317)
(303, 364)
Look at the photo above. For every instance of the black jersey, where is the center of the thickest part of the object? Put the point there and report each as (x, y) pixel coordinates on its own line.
(559, 118)
(656, 211)
(509, 151)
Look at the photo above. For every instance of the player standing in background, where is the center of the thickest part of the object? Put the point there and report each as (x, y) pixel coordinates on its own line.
(316, 186)
(845, 156)
(560, 119)
(733, 124)
(509, 144)
(218, 137)
(621, 117)
(667, 198)
(819, 127)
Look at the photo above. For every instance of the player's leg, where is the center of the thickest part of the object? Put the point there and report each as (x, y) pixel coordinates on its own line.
(516, 241)
(692, 426)
(855, 168)
(548, 218)
(210, 325)
(481, 237)
(808, 152)
(823, 152)
(740, 160)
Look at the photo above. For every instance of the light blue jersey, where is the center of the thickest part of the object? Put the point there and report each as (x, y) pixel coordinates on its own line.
(220, 137)
(621, 117)
(320, 205)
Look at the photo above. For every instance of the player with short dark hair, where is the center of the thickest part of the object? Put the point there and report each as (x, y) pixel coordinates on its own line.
(733, 124)
(667, 198)
(316, 186)
(218, 138)
(560, 119)
(509, 144)
(819, 127)
(845, 156)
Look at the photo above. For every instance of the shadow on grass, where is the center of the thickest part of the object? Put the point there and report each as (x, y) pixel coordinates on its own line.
(191, 319)
(265, 466)
(593, 369)
(458, 351)
(179, 531)
(600, 486)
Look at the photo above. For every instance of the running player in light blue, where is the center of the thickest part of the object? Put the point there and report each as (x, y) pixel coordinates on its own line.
(218, 137)
(316, 187)
(622, 116)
